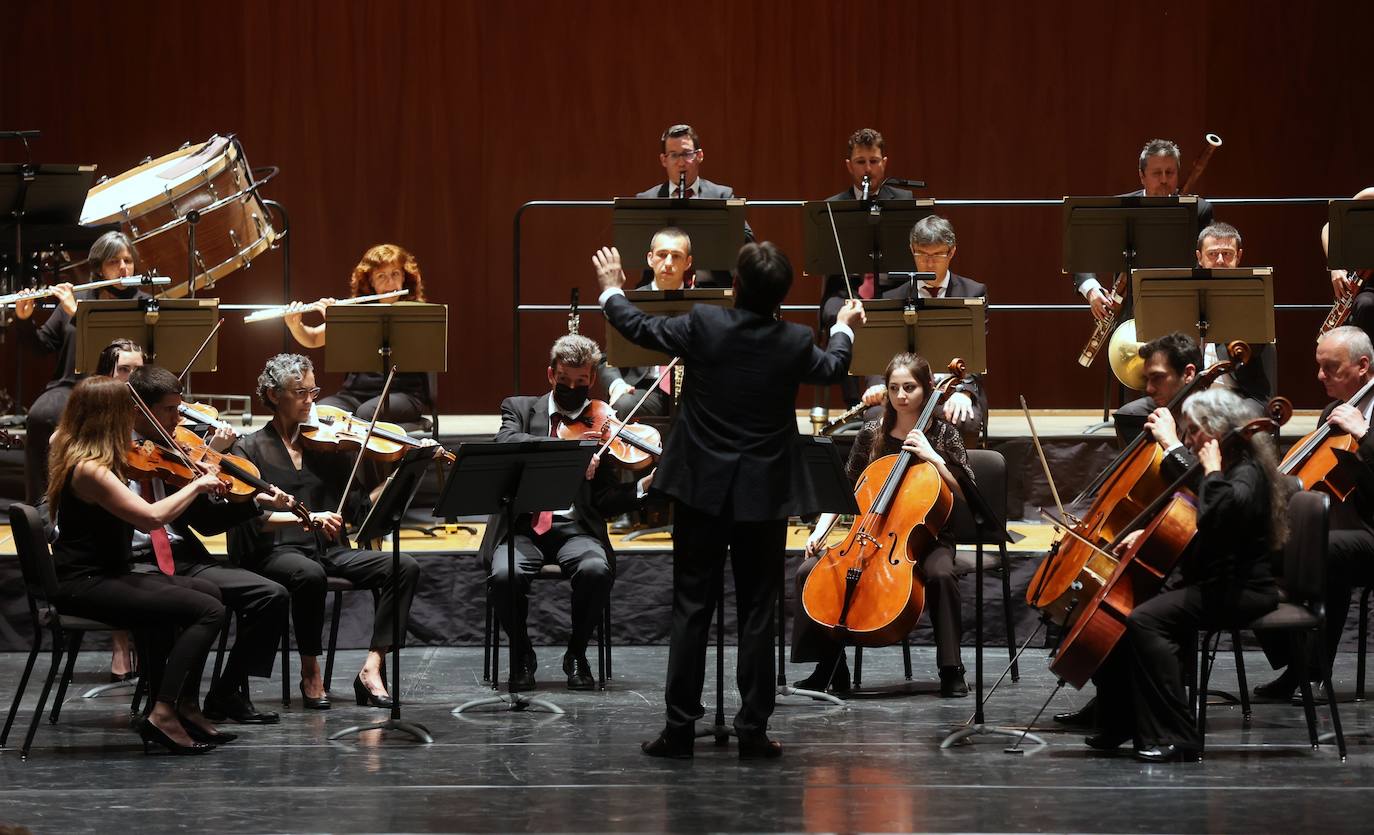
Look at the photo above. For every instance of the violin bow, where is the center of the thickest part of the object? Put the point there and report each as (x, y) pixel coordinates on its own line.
(211, 335)
(362, 450)
(167, 439)
(620, 424)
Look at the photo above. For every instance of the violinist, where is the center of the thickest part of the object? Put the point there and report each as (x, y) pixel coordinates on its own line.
(670, 259)
(1225, 582)
(258, 602)
(111, 256)
(1362, 311)
(383, 269)
(909, 382)
(1171, 362)
(177, 618)
(1345, 365)
(276, 546)
(574, 538)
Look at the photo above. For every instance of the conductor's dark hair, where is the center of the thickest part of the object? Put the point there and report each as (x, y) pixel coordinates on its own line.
(1179, 349)
(765, 276)
(109, 355)
(153, 382)
(677, 132)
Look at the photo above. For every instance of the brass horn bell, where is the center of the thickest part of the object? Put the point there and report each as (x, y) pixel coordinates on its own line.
(1123, 352)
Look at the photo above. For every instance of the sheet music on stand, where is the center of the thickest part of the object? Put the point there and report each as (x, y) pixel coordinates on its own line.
(937, 329)
(169, 330)
(1220, 305)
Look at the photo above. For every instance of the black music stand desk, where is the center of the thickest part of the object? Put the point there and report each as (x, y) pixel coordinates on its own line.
(937, 329)
(869, 232)
(1217, 305)
(510, 479)
(385, 517)
(715, 226)
(170, 330)
(1350, 239)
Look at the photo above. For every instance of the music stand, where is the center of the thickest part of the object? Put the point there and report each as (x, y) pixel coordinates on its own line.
(510, 479)
(373, 337)
(1350, 235)
(170, 330)
(385, 517)
(715, 227)
(934, 328)
(1218, 305)
(869, 231)
(622, 353)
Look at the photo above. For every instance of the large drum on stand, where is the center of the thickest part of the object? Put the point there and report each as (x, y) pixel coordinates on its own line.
(153, 205)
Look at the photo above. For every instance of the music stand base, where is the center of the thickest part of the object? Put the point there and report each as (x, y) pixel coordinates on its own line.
(1093, 429)
(789, 690)
(513, 701)
(720, 731)
(102, 689)
(417, 731)
(979, 729)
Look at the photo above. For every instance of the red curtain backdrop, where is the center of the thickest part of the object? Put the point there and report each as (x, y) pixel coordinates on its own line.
(429, 123)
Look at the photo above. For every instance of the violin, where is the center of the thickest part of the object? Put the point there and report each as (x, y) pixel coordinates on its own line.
(634, 446)
(336, 430)
(1316, 459)
(202, 415)
(867, 590)
(1079, 563)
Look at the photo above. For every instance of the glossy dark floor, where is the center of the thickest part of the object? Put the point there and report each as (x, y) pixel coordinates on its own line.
(875, 765)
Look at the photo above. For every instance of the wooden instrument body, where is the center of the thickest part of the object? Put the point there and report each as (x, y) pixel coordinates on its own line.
(1313, 461)
(1140, 573)
(339, 430)
(636, 446)
(884, 549)
(1075, 571)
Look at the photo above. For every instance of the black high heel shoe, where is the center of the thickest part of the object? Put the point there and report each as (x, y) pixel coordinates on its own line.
(199, 734)
(322, 703)
(153, 735)
(367, 697)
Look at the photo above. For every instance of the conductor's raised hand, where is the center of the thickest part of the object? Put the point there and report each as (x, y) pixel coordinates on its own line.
(608, 269)
(851, 315)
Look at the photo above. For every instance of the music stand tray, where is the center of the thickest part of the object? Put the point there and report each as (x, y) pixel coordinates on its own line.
(373, 337)
(385, 517)
(1116, 234)
(937, 329)
(715, 227)
(869, 231)
(170, 330)
(1218, 305)
(1350, 235)
(513, 478)
(622, 353)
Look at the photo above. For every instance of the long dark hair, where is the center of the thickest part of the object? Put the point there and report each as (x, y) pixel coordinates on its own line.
(920, 370)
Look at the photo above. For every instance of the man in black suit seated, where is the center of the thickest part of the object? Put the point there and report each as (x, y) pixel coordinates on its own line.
(728, 467)
(1171, 362)
(575, 538)
(932, 248)
(681, 156)
(1159, 165)
(1219, 248)
(259, 603)
(670, 259)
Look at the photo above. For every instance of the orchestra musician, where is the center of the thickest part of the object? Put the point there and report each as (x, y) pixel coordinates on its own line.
(176, 617)
(1219, 247)
(909, 382)
(1345, 364)
(111, 256)
(1225, 582)
(1159, 168)
(574, 538)
(670, 259)
(276, 546)
(1362, 312)
(1171, 362)
(384, 268)
(258, 602)
(728, 468)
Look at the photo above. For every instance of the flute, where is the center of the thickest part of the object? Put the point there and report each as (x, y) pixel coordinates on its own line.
(278, 312)
(44, 292)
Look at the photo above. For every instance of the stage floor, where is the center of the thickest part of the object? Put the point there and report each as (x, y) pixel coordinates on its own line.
(874, 765)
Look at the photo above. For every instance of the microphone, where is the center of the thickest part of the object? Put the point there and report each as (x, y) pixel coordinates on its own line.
(908, 183)
(865, 185)
(682, 185)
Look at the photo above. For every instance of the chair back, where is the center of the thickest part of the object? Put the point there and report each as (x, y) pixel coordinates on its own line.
(1304, 554)
(990, 479)
(35, 559)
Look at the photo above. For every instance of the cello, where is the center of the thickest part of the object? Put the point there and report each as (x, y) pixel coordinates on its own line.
(1316, 459)
(866, 589)
(1079, 563)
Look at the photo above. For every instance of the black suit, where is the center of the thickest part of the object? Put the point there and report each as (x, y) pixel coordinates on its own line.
(706, 190)
(579, 544)
(834, 284)
(728, 465)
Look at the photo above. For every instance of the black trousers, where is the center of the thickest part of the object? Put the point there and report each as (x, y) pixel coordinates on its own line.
(304, 577)
(813, 642)
(178, 619)
(39, 425)
(260, 605)
(1362, 312)
(1140, 687)
(700, 543)
(1349, 563)
(584, 562)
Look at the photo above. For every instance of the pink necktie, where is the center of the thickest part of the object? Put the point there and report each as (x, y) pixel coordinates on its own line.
(543, 520)
(867, 287)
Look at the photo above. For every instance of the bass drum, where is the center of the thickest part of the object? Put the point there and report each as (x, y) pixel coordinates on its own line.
(151, 204)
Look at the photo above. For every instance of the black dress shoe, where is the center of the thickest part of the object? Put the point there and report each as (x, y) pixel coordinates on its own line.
(524, 676)
(1085, 717)
(579, 672)
(238, 708)
(1280, 688)
(828, 677)
(758, 747)
(366, 698)
(1107, 740)
(952, 685)
(1167, 754)
(322, 703)
(669, 747)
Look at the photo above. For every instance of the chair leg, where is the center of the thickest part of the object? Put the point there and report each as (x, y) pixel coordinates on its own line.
(286, 661)
(1007, 615)
(1331, 698)
(858, 667)
(1309, 707)
(496, 653)
(601, 652)
(23, 685)
(486, 644)
(57, 645)
(1204, 659)
(73, 646)
(219, 656)
(610, 670)
(1363, 644)
(333, 639)
(906, 658)
(1240, 676)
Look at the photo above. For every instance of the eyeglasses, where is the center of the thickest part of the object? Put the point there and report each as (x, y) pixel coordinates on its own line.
(306, 394)
(686, 156)
(933, 256)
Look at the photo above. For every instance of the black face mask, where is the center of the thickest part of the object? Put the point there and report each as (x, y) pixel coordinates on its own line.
(570, 398)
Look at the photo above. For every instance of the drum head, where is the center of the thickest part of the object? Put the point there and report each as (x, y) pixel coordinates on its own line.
(154, 183)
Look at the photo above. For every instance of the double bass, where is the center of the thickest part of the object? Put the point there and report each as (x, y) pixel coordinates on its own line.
(866, 589)
(1080, 562)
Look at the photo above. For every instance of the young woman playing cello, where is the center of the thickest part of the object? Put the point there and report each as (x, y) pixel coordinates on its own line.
(1226, 579)
(909, 382)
